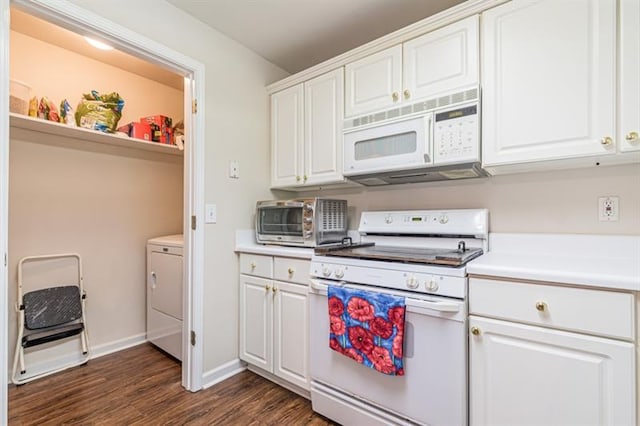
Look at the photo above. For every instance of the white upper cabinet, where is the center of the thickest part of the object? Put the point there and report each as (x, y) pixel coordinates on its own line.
(438, 62)
(548, 80)
(306, 133)
(373, 83)
(323, 115)
(286, 136)
(629, 114)
(442, 61)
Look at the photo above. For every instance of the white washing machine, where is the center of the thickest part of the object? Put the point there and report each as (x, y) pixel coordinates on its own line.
(164, 293)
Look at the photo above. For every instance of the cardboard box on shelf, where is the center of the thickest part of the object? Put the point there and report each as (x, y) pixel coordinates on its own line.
(161, 128)
(137, 130)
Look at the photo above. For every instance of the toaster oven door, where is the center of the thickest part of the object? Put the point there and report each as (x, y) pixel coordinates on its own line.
(280, 224)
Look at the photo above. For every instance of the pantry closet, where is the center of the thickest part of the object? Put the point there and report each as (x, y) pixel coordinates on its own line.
(100, 195)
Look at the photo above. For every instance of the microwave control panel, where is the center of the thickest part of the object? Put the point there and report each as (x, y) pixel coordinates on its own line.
(456, 135)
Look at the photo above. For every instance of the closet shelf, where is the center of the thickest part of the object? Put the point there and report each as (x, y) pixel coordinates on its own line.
(92, 136)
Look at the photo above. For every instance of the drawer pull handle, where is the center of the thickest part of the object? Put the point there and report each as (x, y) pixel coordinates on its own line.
(541, 306)
(291, 271)
(253, 265)
(267, 287)
(475, 331)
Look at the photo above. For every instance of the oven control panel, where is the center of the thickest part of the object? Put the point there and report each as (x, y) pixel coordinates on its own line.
(423, 281)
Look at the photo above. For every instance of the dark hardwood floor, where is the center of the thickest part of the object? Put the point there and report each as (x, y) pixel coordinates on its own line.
(141, 386)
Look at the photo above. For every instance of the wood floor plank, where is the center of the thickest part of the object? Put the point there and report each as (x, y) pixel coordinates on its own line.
(141, 386)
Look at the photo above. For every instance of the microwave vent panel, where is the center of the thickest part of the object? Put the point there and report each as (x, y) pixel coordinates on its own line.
(429, 104)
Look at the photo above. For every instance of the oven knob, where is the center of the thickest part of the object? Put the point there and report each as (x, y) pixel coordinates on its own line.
(388, 219)
(444, 219)
(412, 282)
(432, 285)
(339, 273)
(326, 271)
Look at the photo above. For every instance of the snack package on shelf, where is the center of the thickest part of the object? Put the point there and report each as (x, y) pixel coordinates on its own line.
(99, 112)
(47, 110)
(33, 107)
(66, 114)
(137, 130)
(161, 130)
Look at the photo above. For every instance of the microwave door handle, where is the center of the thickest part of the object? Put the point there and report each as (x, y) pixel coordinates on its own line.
(427, 138)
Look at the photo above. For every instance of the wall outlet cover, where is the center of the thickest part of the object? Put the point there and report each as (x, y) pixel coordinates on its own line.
(608, 208)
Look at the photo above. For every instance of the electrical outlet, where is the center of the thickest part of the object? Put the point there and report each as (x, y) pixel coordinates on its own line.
(608, 209)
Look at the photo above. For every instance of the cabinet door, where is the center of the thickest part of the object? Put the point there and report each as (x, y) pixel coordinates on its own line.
(525, 375)
(286, 136)
(373, 83)
(291, 333)
(442, 61)
(323, 112)
(256, 321)
(629, 75)
(548, 80)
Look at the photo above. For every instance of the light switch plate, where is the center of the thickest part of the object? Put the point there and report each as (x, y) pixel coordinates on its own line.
(234, 169)
(211, 213)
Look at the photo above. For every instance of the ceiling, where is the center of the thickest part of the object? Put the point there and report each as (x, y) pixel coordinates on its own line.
(297, 34)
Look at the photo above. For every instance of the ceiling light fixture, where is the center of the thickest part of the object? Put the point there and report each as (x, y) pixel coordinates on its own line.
(98, 44)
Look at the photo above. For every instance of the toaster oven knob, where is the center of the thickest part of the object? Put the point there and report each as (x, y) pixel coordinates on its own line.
(339, 273)
(326, 271)
(308, 234)
(308, 207)
(308, 220)
(412, 282)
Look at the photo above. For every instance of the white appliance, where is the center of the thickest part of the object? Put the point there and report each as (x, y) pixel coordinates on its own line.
(164, 293)
(420, 255)
(432, 140)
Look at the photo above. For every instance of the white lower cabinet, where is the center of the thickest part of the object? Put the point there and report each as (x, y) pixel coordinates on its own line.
(532, 374)
(274, 316)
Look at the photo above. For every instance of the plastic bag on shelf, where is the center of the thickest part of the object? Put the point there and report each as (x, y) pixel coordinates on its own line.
(66, 113)
(99, 112)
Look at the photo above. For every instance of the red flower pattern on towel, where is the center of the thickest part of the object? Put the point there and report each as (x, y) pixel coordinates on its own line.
(400, 372)
(333, 344)
(397, 345)
(336, 307)
(381, 327)
(360, 309)
(396, 316)
(361, 339)
(382, 360)
(337, 325)
(353, 354)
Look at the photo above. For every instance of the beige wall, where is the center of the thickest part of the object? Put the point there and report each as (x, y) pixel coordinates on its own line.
(103, 206)
(542, 202)
(61, 74)
(237, 128)
(101, 202)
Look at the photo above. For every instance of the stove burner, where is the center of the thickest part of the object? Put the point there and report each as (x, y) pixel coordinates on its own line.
(367, 251)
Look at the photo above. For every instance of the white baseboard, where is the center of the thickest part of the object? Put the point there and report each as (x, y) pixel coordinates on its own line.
(117, 345)
(278, 381)
(223, 372)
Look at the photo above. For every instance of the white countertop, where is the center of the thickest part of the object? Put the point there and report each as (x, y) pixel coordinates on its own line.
(607, 261)
(246, 243)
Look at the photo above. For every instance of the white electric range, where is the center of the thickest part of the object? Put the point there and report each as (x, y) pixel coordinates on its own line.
(421, 256)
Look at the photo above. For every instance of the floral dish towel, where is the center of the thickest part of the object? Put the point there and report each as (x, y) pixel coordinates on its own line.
(367, 327)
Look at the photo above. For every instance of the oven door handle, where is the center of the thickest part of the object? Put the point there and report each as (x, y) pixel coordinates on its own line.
(415, 305)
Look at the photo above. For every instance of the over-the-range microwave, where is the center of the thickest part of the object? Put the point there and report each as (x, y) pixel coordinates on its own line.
(437, 139)
(305, 222)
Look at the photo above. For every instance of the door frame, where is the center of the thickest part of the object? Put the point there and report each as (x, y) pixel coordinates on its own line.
(77, 19)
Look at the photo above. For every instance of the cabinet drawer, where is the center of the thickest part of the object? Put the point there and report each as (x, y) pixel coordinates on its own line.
(255, 264)
(605, 313)
(291, 270)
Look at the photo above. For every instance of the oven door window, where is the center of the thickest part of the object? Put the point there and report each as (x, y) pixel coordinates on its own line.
(284, 221)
